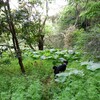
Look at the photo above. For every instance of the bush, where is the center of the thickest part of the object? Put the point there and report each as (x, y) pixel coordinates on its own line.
(88, 42)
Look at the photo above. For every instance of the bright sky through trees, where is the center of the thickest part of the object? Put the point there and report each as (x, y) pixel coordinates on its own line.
(14, 4)
(54, 7)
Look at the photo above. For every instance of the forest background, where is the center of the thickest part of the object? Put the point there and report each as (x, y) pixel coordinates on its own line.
(35, 35)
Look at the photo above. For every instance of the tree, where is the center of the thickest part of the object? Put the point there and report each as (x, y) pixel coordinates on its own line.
(81, 13)
(10, 27)
(85, 16)
(33, 20)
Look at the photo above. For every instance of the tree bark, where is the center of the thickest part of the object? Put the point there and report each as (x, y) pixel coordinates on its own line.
(14, 37)
(41, 36)
(41, 42)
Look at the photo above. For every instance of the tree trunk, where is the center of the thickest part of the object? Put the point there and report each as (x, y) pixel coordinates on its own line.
(41, 36)
(14, 37)
(41, 42)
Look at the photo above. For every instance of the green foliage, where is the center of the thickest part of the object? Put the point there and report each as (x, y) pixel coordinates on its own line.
(67, 17)
(77, 38)
(48, 29)
(80, 13)
(87, 41)
(5, 59)
(23, 88)
(80, 88)
(57, 56)
(38, 83)
(92, 10)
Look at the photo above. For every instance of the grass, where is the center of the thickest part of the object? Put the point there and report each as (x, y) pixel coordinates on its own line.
(38, 83)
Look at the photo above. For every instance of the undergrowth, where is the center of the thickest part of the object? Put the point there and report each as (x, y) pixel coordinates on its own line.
(39, 84)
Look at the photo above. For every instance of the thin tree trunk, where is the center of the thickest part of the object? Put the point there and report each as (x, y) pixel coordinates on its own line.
(14, 37)
(41, 36)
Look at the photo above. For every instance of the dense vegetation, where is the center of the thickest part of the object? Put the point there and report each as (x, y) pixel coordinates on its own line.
(39, 84)
(36, 42)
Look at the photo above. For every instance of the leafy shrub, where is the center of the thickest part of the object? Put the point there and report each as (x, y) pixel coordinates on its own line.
(22, 88)
(80, 88)
(67, 17)
(87, 41)
(93, 42)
